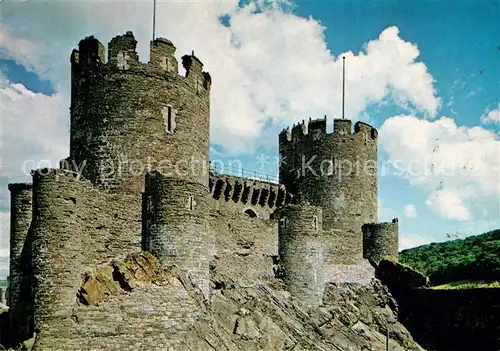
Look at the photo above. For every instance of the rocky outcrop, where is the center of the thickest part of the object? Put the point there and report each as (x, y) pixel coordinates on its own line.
(135, 303)
(122, 276)
(265, 317)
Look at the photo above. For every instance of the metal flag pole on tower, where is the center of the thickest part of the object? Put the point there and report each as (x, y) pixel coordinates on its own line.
(154, 18)
(343, 86)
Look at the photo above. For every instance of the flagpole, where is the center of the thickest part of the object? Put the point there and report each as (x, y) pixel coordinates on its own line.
(154, 18)
(343, 86)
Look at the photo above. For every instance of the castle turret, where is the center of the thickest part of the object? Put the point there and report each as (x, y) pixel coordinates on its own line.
(175, 225)
(20, 220)
(301, 252)
(380, 240)
(129, 117)
(337, 172)
(57, 251)
(19, 295)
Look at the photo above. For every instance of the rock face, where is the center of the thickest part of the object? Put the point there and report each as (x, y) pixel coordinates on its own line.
(135, 303)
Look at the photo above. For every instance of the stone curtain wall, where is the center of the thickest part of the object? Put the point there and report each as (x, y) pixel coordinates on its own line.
(235, 195)
(246, 248)
(343, 180)
(119, 111)
(301, 252)
(75, 227)
(176, 223)
(380, 240)
(243, 227)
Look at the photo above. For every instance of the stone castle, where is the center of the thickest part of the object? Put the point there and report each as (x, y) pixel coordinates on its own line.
(317, 225)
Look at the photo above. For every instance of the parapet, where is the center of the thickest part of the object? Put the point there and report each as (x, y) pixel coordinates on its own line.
(380, 240)
(342, 126)
(317, 126)
(316, 129)
(362, 127)
(194, 70)
(122, 50)
(17, 187)
(162, 55)
(90, 52)
(122, 54)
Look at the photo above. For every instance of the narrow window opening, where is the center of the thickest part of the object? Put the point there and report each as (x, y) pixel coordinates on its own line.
(330, 167)
(315, 222)
(191, 203)
(283, 222)
(169, 119)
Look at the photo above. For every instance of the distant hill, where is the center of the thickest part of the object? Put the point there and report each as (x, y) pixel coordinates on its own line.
(475, 258)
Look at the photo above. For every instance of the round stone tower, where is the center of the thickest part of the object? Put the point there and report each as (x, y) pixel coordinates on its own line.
(175, 225)
(57, 251)
(19, 294)
(128, 117)
(337, 172)
(20, 220)
(380, 240)
(301, 251)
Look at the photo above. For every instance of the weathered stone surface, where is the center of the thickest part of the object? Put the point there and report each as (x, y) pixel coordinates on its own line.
(175, 226)
(380, 241)
(301, 251)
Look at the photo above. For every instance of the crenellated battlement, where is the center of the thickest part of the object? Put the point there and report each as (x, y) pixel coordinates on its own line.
(17, 187)
(123, 57)
(317, 129)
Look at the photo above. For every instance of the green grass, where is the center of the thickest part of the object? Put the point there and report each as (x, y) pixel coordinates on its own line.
(3, 283)
(467, 284)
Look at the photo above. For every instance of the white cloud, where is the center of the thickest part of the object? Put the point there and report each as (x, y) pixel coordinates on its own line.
(456, 166)
(266, 64)
(410, 211)
(385, 214)
(491, 116)
(34, 130)
(407, 241)
(4, 233)
(4, 244)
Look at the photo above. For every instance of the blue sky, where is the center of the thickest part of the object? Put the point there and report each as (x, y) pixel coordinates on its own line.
(425, 73)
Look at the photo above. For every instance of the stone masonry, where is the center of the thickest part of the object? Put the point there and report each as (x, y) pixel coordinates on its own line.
(380, 241)
(122, 246)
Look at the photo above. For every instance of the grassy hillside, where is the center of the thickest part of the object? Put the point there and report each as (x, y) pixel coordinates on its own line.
(476, 258)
